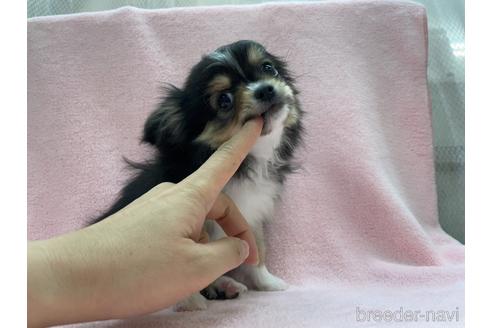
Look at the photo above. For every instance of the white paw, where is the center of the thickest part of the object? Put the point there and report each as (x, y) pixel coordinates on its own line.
(195, 302)
(259, 278)
(224, 288)
(270, 283)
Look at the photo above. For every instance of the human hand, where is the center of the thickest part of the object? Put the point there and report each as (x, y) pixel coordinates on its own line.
(150, 254)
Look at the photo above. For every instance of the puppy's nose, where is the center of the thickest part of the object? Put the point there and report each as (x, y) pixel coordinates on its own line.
(265, 92)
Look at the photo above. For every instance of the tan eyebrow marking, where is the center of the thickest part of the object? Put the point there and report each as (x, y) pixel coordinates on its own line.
(215, 132)
(219, 83)
(255, 55)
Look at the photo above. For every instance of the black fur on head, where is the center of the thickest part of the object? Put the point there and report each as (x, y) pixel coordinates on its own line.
(197, 112)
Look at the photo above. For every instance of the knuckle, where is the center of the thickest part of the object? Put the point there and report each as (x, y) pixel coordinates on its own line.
(227, 151)
(163, 186)
(227, 148)
(199, 258)
(227, 202)
(226, 198)
(198, 193)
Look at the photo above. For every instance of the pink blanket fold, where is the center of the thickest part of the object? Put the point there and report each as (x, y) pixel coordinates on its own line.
(357, 230)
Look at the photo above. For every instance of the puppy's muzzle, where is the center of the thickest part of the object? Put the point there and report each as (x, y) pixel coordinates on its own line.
(267, 99)
(265, 93)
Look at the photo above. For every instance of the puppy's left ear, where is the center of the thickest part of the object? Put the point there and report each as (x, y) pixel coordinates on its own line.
(165, 126)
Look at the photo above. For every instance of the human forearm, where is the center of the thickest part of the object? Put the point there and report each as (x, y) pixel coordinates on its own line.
(65, 282)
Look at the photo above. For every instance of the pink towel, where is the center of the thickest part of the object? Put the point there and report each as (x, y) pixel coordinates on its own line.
(357, 230)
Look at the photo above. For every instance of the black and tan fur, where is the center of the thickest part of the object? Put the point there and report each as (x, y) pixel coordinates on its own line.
(224, 89)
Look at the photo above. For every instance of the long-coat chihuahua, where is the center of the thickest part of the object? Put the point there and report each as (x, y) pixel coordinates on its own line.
(226, 88)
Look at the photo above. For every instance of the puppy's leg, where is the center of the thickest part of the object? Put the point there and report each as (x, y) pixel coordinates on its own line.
(224, 288)
(194, 302)
(258, 277)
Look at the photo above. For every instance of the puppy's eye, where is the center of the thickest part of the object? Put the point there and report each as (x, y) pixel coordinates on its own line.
(224, 101)
(269, 69)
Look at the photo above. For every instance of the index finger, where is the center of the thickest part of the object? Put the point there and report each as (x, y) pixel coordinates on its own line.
(214, 174)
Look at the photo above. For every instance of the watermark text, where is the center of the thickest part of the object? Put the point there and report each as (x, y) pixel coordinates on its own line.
(406, 315)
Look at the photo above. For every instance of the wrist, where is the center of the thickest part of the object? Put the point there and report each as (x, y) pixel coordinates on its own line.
(63, 281)
(41, 291)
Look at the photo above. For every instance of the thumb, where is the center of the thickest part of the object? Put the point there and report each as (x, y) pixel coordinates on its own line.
(223, 255)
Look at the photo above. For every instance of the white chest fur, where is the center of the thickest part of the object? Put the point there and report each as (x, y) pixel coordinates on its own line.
(255, 196)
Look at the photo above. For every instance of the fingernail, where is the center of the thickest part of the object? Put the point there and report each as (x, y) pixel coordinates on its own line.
(244, 252)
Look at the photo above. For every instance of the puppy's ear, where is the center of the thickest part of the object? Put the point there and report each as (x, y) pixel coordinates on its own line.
(165, 126)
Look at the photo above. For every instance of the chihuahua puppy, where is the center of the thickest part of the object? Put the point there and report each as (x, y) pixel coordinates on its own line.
(226, 88)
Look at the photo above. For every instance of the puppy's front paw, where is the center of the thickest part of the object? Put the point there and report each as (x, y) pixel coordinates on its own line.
(259, 278)
(269, 282)
(195, 302)
(224, 288)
